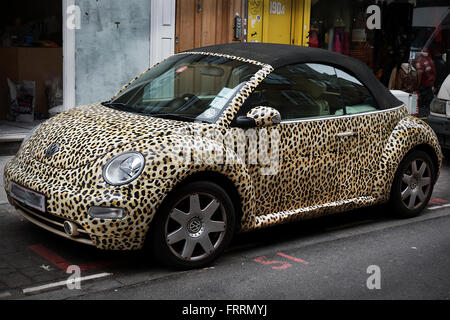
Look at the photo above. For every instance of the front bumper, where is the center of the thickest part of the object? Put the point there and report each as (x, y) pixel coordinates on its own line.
(51, 223)
(69, 197)
(441, 127)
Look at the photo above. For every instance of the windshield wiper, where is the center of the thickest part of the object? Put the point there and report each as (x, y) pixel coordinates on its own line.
(121, 107)
(173, 116)
(127, 108)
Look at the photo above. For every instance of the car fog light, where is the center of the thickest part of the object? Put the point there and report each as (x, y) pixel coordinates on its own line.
(107, 213)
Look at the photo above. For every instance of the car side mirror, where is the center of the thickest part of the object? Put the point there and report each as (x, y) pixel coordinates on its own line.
(264, 116)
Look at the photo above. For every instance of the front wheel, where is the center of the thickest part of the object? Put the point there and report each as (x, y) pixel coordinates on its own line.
(194, 226)
(413, 185)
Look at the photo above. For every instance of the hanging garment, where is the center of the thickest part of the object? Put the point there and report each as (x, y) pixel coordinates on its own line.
(404, 78)
(313, 39)
(407, 78)
(426, 69)
(337, 44)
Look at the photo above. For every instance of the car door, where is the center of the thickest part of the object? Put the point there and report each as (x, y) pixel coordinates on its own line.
(307, 97)
(364, 132)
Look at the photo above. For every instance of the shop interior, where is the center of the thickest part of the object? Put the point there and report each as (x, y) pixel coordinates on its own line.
(341, 26)
(31, 55)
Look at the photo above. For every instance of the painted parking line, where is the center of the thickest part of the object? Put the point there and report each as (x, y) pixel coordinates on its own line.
(438, 201)
(275, 264)
(279, 264)
(439, 207)
(62, 263)
(64, 283)
(281, 254)
(51, 256)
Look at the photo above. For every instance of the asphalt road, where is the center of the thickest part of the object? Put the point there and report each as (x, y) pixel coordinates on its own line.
(325, 258)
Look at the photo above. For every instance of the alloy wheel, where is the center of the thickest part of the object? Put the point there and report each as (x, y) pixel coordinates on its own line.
(416, 184)
(196, 226)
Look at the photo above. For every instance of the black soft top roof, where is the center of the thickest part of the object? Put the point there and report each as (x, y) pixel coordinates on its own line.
(279, 55)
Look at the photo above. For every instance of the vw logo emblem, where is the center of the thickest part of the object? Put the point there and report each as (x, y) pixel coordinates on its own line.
(52, 150)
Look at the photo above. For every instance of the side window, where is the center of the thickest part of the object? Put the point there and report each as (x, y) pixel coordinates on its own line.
(355, 96)
(298, 92)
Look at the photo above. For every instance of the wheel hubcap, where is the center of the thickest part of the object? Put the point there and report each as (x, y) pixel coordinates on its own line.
(416, 184)
(196, 226)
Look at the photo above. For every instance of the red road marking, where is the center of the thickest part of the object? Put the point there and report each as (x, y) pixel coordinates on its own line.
(437, 201)
(94, 265)
(62, 263)
(292, 258)
(284, 265)
(52, 257)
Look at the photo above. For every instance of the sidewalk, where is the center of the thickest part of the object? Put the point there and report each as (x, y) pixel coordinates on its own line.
(15, 131)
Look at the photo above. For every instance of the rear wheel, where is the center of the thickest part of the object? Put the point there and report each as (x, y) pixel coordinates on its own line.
(194, 226)
(413, 184)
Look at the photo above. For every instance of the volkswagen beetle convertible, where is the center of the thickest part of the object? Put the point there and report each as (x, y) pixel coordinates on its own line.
(219, 140)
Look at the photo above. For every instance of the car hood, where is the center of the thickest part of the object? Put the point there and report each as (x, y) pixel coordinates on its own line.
(87, 133)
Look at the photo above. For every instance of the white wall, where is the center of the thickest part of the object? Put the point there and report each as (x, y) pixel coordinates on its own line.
(162, 29)
(108, 55)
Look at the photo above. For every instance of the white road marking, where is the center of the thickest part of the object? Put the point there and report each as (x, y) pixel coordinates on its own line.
(64, 282)
(440, 207)
(46, 268)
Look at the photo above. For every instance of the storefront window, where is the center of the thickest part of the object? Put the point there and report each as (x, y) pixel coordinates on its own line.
(340, 26)
(407, 30)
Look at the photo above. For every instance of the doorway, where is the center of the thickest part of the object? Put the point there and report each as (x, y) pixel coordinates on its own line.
(202, 23)
(279, 21)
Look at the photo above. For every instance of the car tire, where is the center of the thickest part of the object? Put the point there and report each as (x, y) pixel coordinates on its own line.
(413, 185)
(193, 226)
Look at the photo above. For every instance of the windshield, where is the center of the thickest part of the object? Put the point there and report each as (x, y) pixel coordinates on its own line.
(186, 87)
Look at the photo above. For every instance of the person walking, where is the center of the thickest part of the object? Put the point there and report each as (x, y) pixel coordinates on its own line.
(427, 76)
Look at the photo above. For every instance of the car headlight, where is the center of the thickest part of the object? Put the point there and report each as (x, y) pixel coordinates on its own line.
(29, 135)
(124, 168)
(438, 106)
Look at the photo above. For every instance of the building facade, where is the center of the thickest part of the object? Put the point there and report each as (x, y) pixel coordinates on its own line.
(382, 34)
(105, 43)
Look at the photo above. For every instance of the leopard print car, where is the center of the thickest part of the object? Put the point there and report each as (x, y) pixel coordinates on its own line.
(187, 189)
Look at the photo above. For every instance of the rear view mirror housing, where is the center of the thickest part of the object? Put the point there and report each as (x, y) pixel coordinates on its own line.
(264, 116)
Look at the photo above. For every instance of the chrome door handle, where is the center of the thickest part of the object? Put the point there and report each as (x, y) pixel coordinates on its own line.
(345, 134)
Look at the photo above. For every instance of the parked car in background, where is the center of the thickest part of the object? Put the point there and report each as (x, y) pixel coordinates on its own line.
(439, 118)
(312, 132)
